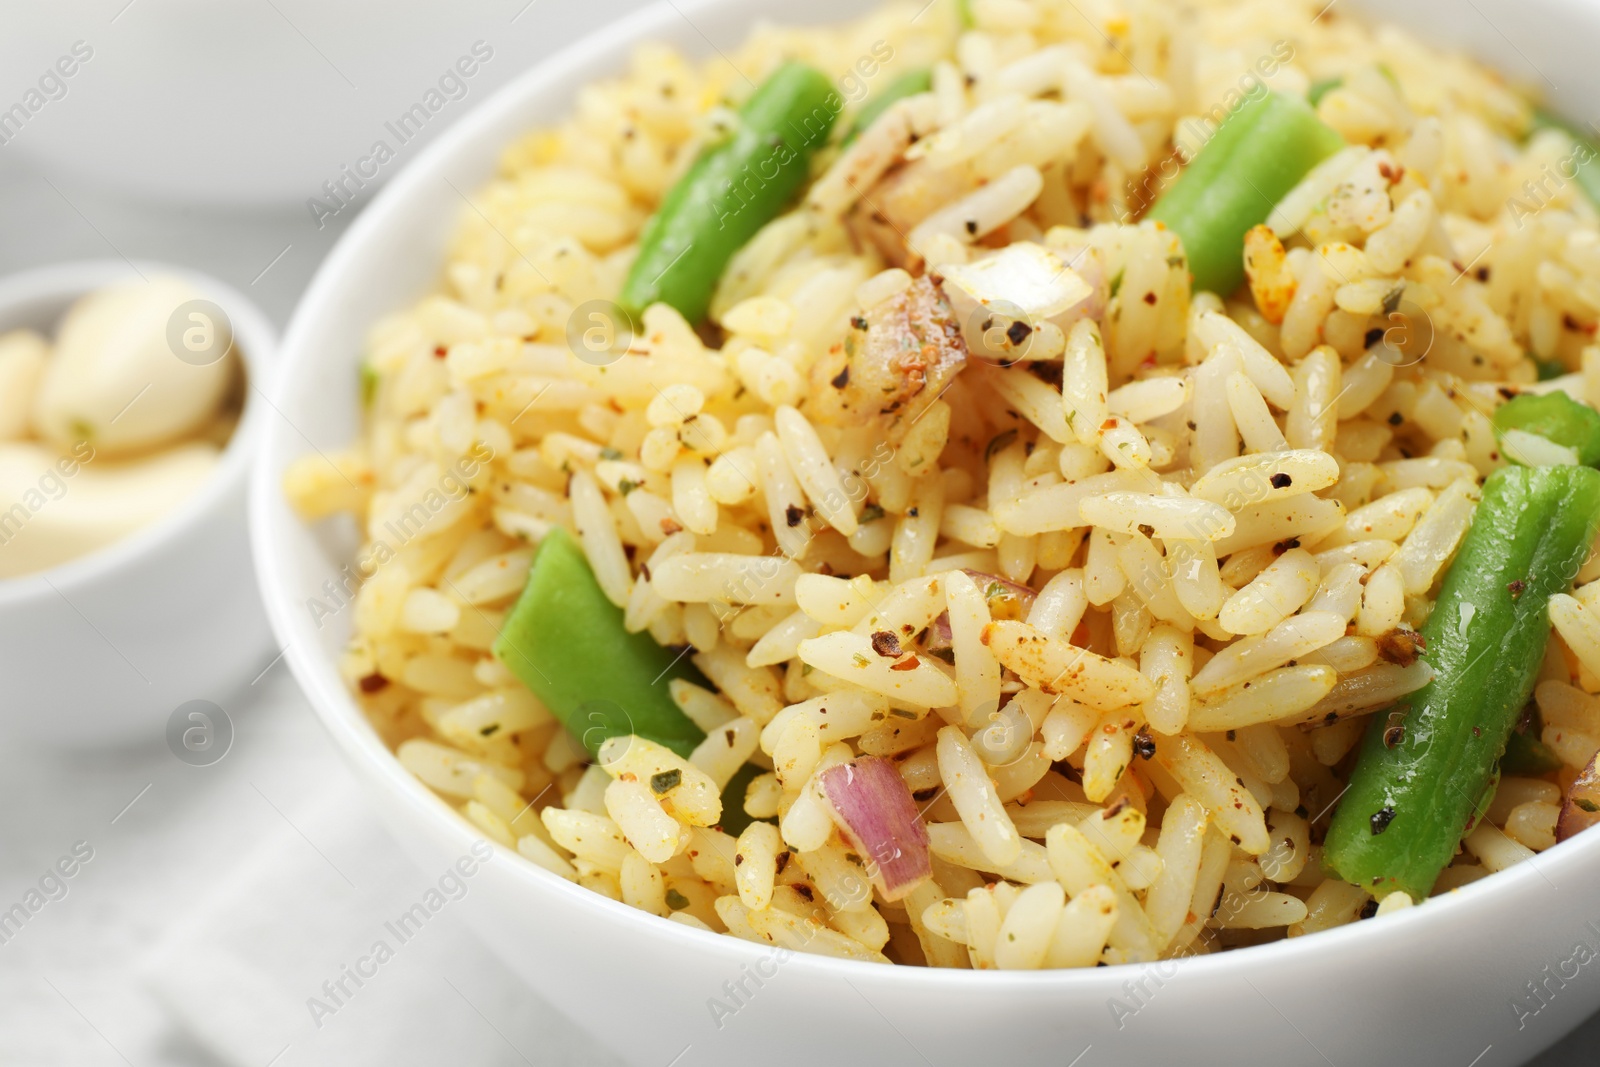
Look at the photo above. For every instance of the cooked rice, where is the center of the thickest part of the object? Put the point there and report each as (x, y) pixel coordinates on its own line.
(1225, 506)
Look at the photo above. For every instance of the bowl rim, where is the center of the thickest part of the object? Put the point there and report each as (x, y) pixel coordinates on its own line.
(601, 54)
(255, 341)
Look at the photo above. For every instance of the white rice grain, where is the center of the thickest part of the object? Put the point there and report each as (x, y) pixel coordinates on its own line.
(977, 671)
(1252, 656)
(1273, 595)
(917, 532)
(982, 212)
(784, 496)
(815, 471)
(1270, 476)
(953, 843)
(1167, 659)
(975, 798)
(1078, 865)
(701, 577)
(1211, 782)
(1029, 926)
(1314, 416)
(1083, 928)
(852, 656)
(1251, 415)
(1277, 694)
(1181, 841)
(1167, 516)
(1434, 538)
(1054, 666)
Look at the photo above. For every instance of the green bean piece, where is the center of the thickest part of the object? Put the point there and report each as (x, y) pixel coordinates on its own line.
(734, 817)
(1582, 160)
(1320, 89)
(1527, 756)
(1425, 765)
(1258, 154)
(565, 641)
(1550, 369)
(1556, 417)
(1323, 87)
(910, 83)
(733, 189)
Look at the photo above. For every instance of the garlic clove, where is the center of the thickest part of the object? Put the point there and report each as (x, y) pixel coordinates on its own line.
(60, 507)
(1022, 277)
(22, 360)
(116, 381)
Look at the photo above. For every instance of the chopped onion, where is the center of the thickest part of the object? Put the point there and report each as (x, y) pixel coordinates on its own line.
(875, 810)
(1023, 282)
(939, 637)
(1582, 807)
(1089, 263)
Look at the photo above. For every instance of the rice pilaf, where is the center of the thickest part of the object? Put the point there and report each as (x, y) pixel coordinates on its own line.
(1113, 572)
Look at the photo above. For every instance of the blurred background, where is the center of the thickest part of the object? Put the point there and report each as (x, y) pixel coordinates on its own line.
(220, 897)
(220, 894)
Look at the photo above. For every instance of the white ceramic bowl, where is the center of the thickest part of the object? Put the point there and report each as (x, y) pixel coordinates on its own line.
(1439, 984)
(102, 649)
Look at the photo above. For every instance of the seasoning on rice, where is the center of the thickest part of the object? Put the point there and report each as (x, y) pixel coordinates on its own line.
(944, 575)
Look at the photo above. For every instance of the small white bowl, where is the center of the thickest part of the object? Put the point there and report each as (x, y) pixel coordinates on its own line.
(102, 649)
(1434, 985)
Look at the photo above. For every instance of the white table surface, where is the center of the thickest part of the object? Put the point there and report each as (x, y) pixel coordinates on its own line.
(171, 840)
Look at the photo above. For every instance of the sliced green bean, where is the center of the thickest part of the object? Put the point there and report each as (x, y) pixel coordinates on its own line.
(1550, 369)
(1320, 89)
(1258, 154)
(1324, 86)
(1556, 417)
(1425, 766)
(733, 189)
(1527, 756)
(565, 641)
(1585, 173)
(910, 83)
(734, 818)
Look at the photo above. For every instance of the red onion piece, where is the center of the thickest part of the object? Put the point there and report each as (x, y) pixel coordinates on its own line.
(939, 637)
(1582, 807)
(1025, 596)
(879, 817)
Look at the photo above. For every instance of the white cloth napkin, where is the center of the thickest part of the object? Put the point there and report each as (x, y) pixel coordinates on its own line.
(253, 977)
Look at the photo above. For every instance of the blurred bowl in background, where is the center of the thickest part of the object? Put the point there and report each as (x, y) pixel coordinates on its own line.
(104, 648)
(255, 104)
